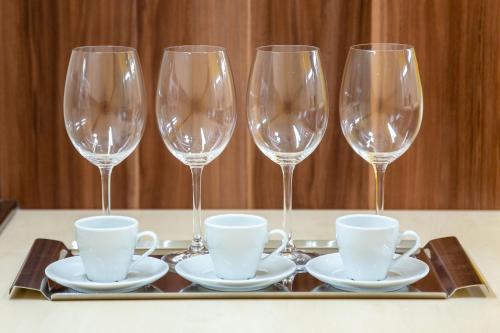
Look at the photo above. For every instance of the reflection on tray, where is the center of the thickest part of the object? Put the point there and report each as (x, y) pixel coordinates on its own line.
(330, 289)
(194, 288)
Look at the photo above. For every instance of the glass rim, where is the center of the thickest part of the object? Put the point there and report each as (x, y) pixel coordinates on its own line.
(105, 49)
(287, 48)
(381, 47)
(202, 48)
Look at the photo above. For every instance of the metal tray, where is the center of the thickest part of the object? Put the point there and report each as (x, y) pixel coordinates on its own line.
(451, 272)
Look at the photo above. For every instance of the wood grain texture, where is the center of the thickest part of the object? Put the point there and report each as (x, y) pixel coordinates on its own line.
(333, 176)
(6, 208)
(453, 164)
(165, 182)
(455, 160)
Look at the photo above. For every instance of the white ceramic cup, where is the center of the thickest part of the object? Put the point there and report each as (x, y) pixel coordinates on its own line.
(367, 244)
(236, 243)
(107, 244)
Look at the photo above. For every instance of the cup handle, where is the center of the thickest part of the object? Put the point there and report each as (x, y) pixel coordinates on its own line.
(414, 247)
(284, 241)
(150, 250)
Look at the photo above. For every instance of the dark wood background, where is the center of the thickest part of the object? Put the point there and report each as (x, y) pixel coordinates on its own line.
(453, 164)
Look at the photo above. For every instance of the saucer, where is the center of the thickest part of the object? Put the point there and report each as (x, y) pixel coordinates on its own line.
(69, 272)
(200, 270)
(329, 269)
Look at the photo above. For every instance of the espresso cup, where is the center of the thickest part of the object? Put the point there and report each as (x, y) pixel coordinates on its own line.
(107, 244)
(236, 244)
(367, 244)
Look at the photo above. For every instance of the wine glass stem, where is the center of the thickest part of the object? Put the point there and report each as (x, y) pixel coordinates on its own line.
(197, 241)
(106, 189)
(287, 170)
(379, 170)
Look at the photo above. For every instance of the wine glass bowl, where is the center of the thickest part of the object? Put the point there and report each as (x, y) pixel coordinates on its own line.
(287, 110)
(287, 102)
(104, 106)
(195, 103)
(195, 110)
(381, 104)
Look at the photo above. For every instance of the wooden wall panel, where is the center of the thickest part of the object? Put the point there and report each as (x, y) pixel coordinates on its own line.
(166, 182)
(453, 164)
(333, 176)
(39, 166)
(455, 160)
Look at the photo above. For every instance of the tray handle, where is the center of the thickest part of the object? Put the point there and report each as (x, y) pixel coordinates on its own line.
(31, 276)
(451, 264)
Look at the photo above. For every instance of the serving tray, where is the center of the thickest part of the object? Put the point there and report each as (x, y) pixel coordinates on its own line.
(451, 272)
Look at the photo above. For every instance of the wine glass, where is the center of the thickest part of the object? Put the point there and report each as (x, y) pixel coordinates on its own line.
(195, 109)
(104, 107)
(287, 107)
(381, 105)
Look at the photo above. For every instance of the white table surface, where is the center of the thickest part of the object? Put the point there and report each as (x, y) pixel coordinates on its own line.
(478, 231)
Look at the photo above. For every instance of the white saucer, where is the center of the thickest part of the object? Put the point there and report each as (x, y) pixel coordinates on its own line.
(200, 270)
(69, 272)
(329, 269)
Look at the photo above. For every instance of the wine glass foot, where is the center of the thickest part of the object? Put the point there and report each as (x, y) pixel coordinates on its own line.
(299, 257)
(173, 258)
(288, 282)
